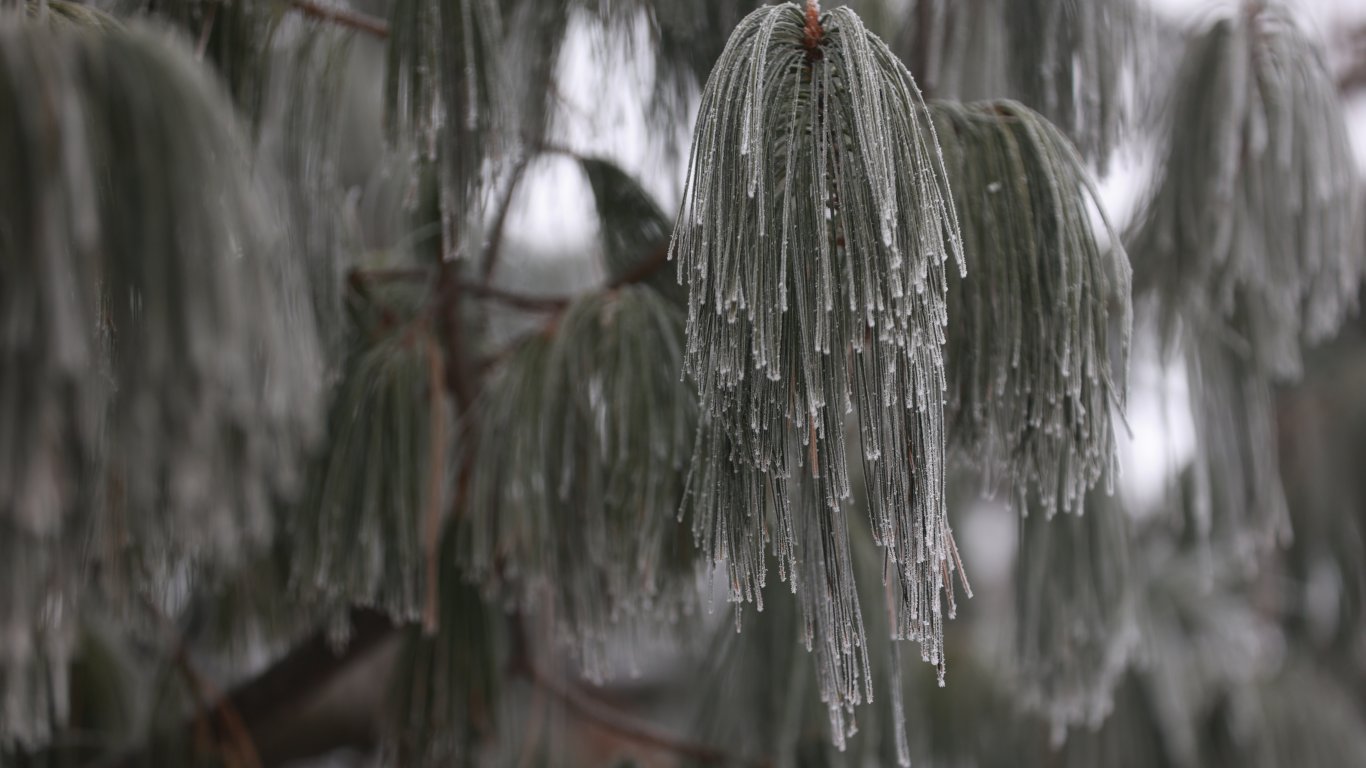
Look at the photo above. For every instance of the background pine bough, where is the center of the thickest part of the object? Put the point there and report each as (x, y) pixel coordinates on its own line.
(527, 487)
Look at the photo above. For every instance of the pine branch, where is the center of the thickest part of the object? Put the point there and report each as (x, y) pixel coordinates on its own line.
(499, 227)
(279, 689)
(1253, 222)
(160, 371)
(573, 498)
(342, 17)
(210, 706)
(603, 716)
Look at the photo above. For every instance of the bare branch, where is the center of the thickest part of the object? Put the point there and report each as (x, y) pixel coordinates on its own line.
(342, 17)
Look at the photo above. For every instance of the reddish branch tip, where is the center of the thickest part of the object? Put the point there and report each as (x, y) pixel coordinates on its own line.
(813, 34)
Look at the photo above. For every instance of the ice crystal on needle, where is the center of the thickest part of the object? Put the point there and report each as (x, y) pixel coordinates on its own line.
(812, 238)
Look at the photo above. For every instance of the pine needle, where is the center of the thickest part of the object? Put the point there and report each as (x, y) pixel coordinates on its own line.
(367, 528)
(1074, 612)
(577, 482)
(812, 239)
(158, 362)
(1039, 330)
(1255, 212)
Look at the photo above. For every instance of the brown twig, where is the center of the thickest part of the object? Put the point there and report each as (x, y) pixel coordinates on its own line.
(812, 33)
(512, 298)
(495, 245)
(359, 278)
(205, 32)
(342, 17)
(436, 472)
(643, 269)
(630, 729)
(209, 703)
(280, 687)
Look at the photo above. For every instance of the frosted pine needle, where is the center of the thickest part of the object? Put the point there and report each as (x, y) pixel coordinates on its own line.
(1070, 60)
(1039, 330)
(1256, 211)
(441, 97)
(1074, 613)
(1238, 501)
(158, 359)
(812, 239)
(577, 481)
(447, 687)
(363, 532)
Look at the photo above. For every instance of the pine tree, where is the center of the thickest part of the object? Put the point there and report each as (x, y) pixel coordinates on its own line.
(304, 448)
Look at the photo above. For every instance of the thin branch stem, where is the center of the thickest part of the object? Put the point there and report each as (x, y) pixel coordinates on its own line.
(205, 32)
(342, 17)
(643, 269)
(358, 278)
(436, 472)
(209, 702)
(623, 725)
(512, 298)
(500, 220)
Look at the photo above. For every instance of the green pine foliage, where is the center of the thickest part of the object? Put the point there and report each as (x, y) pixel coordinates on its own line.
(813, 236)
(441, 100)
(1251, 232)
(160, 371)
(1074, 613)
(575, 509)
(447, 684)
(539, 500)
(378, 493)
(1039, 330)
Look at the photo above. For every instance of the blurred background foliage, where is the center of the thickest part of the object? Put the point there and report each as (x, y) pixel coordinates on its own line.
(349, 394)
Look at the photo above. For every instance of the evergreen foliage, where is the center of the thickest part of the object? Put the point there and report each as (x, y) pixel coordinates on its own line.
(537, 477)
(1074, 614)
(1074, 61)
(812, 240)
(1039, 331)
(1251, 231)
(575, 509)
(361, 524)
(159, 371)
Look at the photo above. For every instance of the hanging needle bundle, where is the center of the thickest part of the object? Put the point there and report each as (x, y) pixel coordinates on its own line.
(158, 360)
(1238, 502)
(369, 522)
(1074, 613)
(574, 495)
(1256, 209)
(447, 686)
(441, 87)
(812, 239)
(1039, 331)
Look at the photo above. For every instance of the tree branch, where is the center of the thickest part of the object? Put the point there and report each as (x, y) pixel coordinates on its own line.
(500, 220)
(342, 17)
(630, 729)
(643, 269)
(280, 688)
